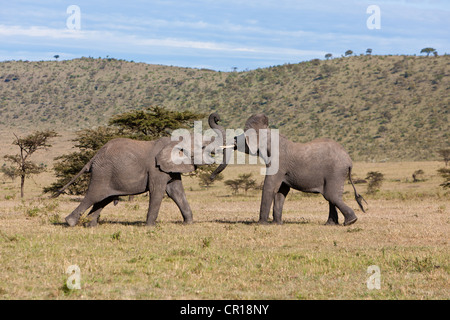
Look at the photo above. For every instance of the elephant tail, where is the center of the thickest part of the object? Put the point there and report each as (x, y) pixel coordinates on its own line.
(358, 197)
(86, 168)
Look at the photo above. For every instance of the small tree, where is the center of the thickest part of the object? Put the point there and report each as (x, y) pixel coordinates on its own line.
(246, 182)
(375, 179)
(234, 185)
(243, 181)
(348, 53)
(56, 56)
(445, 173)
(369, 51)
(445, 154)
(427, 50)
(203, 173)
(417, 175)
(328, 56)
(21, 166)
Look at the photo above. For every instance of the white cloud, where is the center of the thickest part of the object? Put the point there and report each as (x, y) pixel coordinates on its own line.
(36, 31)
(131, 42)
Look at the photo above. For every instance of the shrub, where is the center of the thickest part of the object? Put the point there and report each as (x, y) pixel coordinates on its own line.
(375, 179)
(243, 181)
(445, 173)
(418, 175)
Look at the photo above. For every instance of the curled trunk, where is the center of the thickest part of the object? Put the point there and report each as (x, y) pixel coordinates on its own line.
(213, 119)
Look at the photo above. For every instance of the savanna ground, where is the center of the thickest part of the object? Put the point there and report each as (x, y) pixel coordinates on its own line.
(225, 254)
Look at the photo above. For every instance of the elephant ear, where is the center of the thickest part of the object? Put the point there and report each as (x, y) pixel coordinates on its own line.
(252, 129)
(173, 158)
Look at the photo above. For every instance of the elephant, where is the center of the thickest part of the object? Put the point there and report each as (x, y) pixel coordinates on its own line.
(319, 166)
(129, 167)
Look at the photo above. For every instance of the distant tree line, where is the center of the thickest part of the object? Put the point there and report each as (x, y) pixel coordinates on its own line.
(349, 52)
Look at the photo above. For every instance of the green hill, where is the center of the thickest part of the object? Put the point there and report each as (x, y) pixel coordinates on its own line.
(378, 107)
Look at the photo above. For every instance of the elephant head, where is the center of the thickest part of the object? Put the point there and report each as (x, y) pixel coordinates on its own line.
(174, 158)
(256, 140)
(183, 155)
(257, 136)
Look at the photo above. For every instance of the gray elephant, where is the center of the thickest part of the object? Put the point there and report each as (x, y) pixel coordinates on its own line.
(319, 166)
(130, 167)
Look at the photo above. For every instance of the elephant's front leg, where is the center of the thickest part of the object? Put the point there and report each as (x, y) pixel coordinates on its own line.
(175, 191)
(155, 199)
(271, 186)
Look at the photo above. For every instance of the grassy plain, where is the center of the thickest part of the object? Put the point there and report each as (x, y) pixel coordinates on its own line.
(225, 254)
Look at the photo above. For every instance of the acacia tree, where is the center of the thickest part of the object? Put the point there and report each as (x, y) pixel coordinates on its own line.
(152, 123)
(243, 181)
(21, 166)
(445, 154)
(428, 50)
(203, 173)
(445, 173)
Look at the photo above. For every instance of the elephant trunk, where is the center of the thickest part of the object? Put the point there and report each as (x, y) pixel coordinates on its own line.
(213, 119)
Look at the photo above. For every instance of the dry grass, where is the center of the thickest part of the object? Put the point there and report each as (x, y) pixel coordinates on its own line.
(225, 254)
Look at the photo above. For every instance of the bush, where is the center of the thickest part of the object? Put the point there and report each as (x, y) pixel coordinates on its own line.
(375, 179)
(203, 173)
(445, 173)
(243, 181)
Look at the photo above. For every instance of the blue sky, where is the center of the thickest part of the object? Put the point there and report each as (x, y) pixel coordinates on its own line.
(220, 34)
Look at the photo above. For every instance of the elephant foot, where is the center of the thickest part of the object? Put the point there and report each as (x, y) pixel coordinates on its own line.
(92, 223)
(331, 222)
(71, 221)
(278, 222)
(263, 222)
(188, 222)
(350, 221)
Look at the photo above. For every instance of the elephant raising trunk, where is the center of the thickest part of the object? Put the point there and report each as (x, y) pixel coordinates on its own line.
(213, 119)
(319, 166)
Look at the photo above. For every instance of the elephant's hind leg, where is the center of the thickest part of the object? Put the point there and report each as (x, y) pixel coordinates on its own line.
(280, 196)
(349, 214)
(332, 216)
(94, 214)
(72, 219)
(333, 193)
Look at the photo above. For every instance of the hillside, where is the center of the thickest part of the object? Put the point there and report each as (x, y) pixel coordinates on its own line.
(378, 107)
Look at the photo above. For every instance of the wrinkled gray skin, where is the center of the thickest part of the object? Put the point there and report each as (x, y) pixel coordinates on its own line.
(130, 167)
(320, 166)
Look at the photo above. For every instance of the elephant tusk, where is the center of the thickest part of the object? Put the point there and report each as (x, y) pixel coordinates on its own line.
(226, 147)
